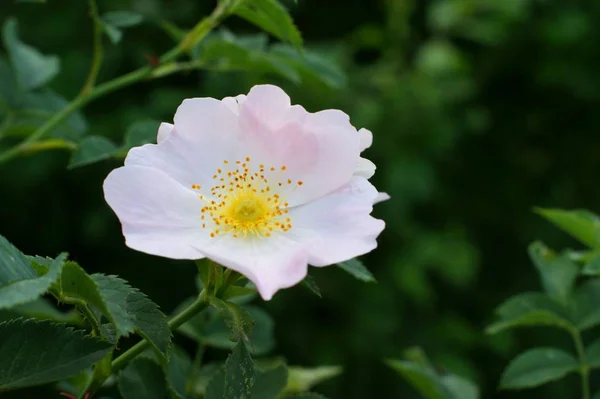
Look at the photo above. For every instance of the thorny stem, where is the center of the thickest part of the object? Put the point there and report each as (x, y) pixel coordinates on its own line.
(584, 367)
(90, 93)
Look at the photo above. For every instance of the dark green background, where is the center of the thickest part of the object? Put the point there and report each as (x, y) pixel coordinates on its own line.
(480, 110)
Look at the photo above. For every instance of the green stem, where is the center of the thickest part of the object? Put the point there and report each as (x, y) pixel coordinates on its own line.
(198, 306)
(584, 367)
(98, 50)
(191, 39)
(87, 313)
(120, 362)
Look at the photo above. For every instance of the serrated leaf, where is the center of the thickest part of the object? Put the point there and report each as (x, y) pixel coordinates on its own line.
(357, 269)
(310, 283)
(239, 373)
(15, 265)
(530, 309)
(423, 379)
(536, 367)
(586, 311)
(272, 17)
(19, 282)
(92, 149)
(269, 384)
(142, 379)
(132, 310)
(209, 329)
(122, 19)
(581, 224)
(76, 283)
(236, 318)
(140, 133)
(41, 309)
(37, 352)
(558, 272)
(33, 69)
(302, 379)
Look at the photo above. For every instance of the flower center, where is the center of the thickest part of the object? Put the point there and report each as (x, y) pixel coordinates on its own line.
(246, 200)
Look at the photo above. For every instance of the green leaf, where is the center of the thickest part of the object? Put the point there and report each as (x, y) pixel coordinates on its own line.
(76, 283)
(530, 309)
(19, 282)
(41, 309)
(15, 265)
(586, 311)
(92, 149)
(112, 21)
(592, 266)
(307, 395)
(142, 379)
(239, 294)
(122, 19)
(140, 133)
(114, 34)
(581, 224)
(558, 273)
(302, 379)
(269, 384)
(592, 353)
(236, 318)
(30, 110)
(37, 352)
(179, 372)
(33, 69)
(239, 373)
(224, 51)
(357, 269)
(209, 329)
(459, 387)
(132, 310)
(309, 283)
(310, 65)
(272, 17)
(216, 386)
(424, 380)
(536, 367)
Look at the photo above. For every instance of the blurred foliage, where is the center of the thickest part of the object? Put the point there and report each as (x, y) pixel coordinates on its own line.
(480, 110)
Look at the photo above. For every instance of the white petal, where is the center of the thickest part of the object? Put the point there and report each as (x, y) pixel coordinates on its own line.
(381, 197)
(365, 168)
(270, 263)
(163, 131)
(338, 226)
(159, 216)
(205, 134)
(320, 150)
(366, 139)
(234, 102)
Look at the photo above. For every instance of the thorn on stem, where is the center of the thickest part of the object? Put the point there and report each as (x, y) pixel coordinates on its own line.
(153, 60)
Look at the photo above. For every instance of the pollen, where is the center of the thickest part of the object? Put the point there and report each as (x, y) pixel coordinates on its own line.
(248, 201)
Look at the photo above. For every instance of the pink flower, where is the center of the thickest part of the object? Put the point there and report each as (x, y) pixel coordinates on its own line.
(256, 184)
